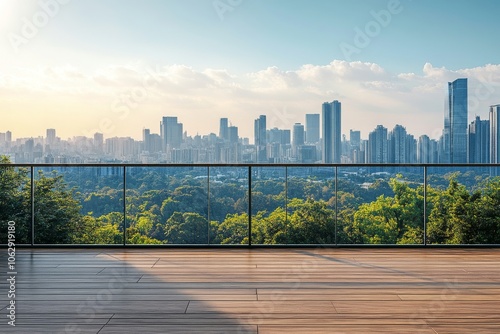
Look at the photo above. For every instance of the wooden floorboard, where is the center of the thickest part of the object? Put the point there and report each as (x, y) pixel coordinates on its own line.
(105, 291)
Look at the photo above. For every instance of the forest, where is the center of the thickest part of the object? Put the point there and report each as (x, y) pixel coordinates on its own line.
(289, 206)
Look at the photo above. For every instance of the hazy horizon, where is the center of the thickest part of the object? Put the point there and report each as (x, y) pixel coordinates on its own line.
(117, 67)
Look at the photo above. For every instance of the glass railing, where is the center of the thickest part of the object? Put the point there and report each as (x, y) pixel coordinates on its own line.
(209, 205)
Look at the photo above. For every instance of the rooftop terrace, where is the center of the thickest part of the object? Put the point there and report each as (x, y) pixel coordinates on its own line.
(237, 290)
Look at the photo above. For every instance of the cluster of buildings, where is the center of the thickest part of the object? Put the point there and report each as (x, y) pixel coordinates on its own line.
(319, 140)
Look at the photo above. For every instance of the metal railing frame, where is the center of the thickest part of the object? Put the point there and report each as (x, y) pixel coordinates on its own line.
(250, 168)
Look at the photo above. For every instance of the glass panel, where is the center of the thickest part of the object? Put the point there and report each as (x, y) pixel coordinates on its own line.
(310, 205)
(15, 204)
(463, 205)
(167, 205)
(79, 205)
(380, 205)
(229, 205)
(269, 205)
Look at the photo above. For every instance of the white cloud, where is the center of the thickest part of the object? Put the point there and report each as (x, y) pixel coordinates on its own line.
(370, 94)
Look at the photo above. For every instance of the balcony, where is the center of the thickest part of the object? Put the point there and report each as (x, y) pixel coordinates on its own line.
(251, 205)
(312, 276)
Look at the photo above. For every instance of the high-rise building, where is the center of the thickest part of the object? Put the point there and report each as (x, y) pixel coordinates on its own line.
(223, 129)
(332, 142)
(233, 134)
(377, 146)
(495, 134)
(355, 139)
(298, 138)
(312, 128)
(171, 133)
(8, 137)
(455, 123)
(478, 143)
(98, 142)
(51, 136)
(260, 140)
(398, 146)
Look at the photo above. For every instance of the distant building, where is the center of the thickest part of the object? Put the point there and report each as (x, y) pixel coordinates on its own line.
(377, 146)
(171, 133)
(478, 143)
(260, 139)
(224, 129)
(312, 128)
(332, 136)
(495, 134)
(455, 123)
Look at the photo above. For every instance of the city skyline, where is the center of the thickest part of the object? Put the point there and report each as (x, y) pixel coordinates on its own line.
(460, 142)
(202, 63)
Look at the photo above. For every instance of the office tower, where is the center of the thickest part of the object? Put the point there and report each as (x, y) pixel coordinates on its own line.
(495, 134)
(51, 136)
(286, 137)
(332, 144)
(274, 136)
(298, 137)
(312, 128)
(355, 139)
(260, 139)
(146, 140)
(377, 147)
(478, 143)
(223, 129)
(397, 145)
(8, 137)
(171, 133)
(233, 134)
(99, 142)
(455, 123)
(424, 149)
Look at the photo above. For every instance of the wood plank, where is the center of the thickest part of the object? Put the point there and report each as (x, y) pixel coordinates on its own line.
(318, 290)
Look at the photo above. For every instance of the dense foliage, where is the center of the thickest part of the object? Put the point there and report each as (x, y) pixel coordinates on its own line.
(184, 206)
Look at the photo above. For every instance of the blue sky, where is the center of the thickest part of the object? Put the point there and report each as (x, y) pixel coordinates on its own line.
(86, 38)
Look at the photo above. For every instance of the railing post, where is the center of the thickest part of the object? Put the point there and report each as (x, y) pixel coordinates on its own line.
(286, 203)
(425, 205)
(124, 206)
(208, 205)
(336, 205)
(249, 206)
(32, 195)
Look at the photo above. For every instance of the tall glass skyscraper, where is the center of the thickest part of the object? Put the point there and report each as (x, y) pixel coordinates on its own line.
(312, 128)
(332, 142)
(495, 134)
(260, 134)
(455, 123)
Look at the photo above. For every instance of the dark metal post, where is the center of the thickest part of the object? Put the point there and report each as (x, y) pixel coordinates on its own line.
(208, 205)
(32, 171)
(425, 205)
(249, 206)
(336, 204)
(124, 205)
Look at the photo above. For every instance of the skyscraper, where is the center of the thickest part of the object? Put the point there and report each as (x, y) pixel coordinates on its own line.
(260, 138)
(51, 136)
(298, 137)
(332, 143)
(495, 134)
(398, 146)
(377, 147)
(455, 123)
(312, 128)
(171, 133)
(223, 129)
(478, 143)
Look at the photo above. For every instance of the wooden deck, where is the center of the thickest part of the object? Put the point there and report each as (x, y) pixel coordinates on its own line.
(254, 291)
